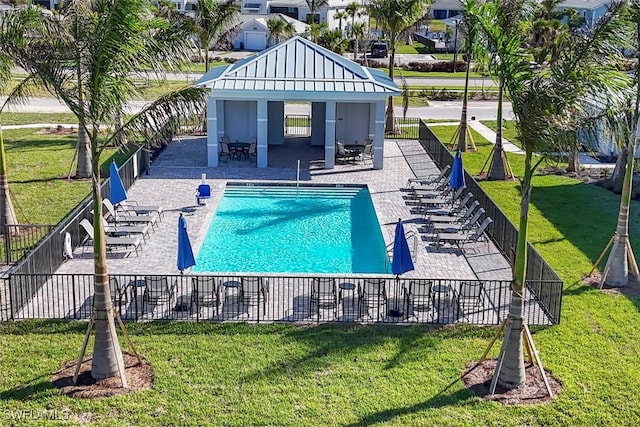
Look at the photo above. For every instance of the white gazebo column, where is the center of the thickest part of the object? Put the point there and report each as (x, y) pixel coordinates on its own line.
(262, 147)
(378, 138)
(330, 135)
(212, 133)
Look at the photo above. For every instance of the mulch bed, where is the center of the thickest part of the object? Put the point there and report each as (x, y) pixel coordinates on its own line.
(593, 281)
(139, 377)
(533, 391)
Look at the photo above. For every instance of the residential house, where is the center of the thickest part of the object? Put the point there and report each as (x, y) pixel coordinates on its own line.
(590, 10)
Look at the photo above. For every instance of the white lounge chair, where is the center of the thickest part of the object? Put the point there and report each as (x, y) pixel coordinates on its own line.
(112, 242)
(127, 219)
(133, 206)
(124, 230)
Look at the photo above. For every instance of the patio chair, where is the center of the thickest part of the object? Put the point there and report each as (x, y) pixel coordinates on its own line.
(323, 293)
(439, 201)
(460, 238)
(367, 154)
(464, 226)
(458, 206)
(435, 218)
(373, 294)
(341, 152)
(254, 288)
(202, 193)
(138, 209)
(118, 292)
(111, 242)
(125, 230)
(224, 152)
(113, 217)
(252, 153)
(418, 296)
(470, 295)
(429, 179)
(205, 292)
(157, 291)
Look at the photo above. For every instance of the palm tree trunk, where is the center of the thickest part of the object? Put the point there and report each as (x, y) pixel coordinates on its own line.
(497, 168)
(512, 374)
(615, 183)
(7, 213)
(573, 164)
(83, 168)
(463, 129)
(107, 358)
(388, 125)
(616, 272)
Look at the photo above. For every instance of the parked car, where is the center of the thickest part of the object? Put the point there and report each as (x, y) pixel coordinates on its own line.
(379, 50)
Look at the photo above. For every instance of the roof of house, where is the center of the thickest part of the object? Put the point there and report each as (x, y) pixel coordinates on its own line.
(446, 5)
(583, 4)
(300, 66)
(247, 18)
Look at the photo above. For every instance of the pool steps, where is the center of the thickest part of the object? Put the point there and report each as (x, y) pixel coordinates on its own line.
(291, 191)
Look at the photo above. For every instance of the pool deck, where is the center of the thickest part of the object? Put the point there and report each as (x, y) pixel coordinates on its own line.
(177, 171)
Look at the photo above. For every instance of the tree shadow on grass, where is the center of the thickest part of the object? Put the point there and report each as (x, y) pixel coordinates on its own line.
(31, 390)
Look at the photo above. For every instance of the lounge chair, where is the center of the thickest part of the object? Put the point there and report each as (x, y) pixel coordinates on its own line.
(458, 206)
(464, 226)
(138, 209)
(430, 179)
(127, 219)
(435, 218)
(323, 293)
(202, 193)
(373, 294)
(111, 242)
(460, 238)
(439, 201)
(125, 230)
(205, 292)
(254, 288)
(157, 291)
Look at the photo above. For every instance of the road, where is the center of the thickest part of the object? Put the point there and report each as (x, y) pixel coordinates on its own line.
(439, 110)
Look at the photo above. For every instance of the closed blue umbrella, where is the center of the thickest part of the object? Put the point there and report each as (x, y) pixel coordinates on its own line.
(185, 253)
(117, 193)
(456, 180)
(401, 263)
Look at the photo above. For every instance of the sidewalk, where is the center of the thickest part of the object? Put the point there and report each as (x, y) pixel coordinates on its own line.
(585, 160)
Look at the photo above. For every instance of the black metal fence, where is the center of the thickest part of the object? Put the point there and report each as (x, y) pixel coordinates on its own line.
(276, 299)
(297, 125)
(18, 240)
(502, 231)
(405, 128)
(49, 254)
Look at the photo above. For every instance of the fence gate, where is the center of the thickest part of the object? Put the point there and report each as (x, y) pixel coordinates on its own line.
(297, 125)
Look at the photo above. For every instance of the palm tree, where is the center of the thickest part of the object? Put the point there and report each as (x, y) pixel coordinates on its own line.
(358, 30)
(621, 258)
(315, 31)
(314, 6)
(352, 10)
(279, 28)
(212, 20)
(541, 98)
(340, 15)
(119, 40)
(334, 41)
(397, 15)
(13, 31)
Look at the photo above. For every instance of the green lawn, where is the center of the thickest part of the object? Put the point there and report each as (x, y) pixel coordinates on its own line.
(289, 375)
(38, 164)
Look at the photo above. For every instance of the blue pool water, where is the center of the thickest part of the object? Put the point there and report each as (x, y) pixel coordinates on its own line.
(268, 229)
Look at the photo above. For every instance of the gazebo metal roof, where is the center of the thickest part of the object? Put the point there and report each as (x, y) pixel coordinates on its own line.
(301, 69)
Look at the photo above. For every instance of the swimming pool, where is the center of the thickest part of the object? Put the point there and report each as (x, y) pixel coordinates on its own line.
(281, 229)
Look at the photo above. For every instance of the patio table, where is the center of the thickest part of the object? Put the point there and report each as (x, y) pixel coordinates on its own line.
(354, 149)
(239, 149)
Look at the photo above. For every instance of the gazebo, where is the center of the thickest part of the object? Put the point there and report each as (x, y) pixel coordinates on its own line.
(247, 99)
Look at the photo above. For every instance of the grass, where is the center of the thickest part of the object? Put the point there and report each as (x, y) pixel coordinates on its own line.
(509, 131)
(289, 375)
(37, 166)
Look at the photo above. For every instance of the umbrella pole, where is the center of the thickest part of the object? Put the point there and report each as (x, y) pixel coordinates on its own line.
(396, 312)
